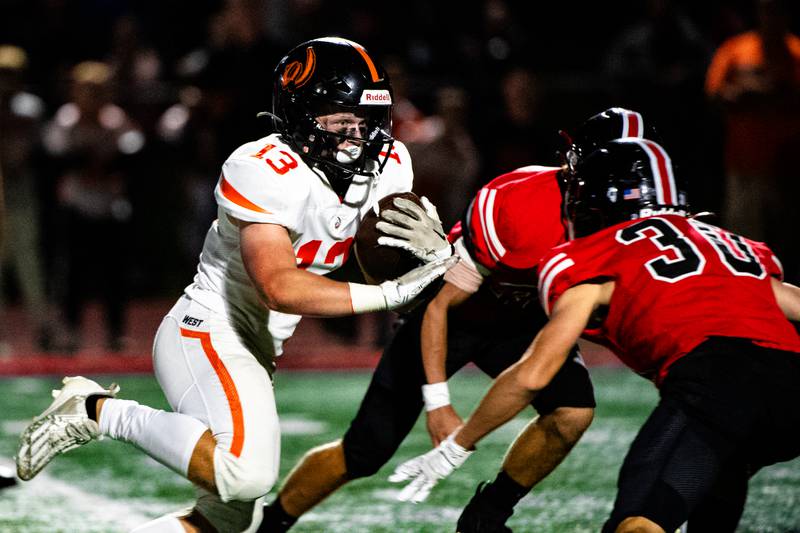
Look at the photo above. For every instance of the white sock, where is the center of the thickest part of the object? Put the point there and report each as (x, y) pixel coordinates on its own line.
(169, 438)
(164, 524)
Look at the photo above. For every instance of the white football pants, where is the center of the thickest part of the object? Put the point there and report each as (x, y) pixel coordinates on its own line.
(207, 373)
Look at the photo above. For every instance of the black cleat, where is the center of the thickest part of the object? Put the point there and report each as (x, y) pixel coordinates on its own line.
(483, 516)
(276, 520)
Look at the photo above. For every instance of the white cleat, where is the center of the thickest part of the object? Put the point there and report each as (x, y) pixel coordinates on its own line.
(63, 426)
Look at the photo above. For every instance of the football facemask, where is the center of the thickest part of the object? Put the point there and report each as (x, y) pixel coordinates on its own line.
(330, 75)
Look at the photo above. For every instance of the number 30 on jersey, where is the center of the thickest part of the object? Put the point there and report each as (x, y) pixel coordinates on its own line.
(685, 258)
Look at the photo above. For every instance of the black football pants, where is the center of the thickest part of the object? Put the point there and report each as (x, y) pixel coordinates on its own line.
(393, 400)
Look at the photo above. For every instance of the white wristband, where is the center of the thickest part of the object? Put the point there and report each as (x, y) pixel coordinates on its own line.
(436, 395)
(366, 298)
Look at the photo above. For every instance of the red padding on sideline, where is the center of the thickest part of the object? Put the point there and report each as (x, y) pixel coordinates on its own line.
(45, 364)
(113, 363)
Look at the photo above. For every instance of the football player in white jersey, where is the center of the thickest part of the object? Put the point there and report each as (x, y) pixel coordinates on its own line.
(289, 207)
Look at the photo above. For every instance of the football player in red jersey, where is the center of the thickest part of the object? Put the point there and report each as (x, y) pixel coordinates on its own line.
(482, 314)
(700, 311)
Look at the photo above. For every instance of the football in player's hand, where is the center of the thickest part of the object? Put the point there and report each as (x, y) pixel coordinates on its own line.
(378, 262)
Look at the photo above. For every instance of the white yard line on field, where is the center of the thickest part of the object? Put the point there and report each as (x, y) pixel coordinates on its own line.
(300, 425)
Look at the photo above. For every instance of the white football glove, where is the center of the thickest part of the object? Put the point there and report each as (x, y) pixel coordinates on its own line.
(414, 229)
(402, 290)
(426, 470)
(397, 292)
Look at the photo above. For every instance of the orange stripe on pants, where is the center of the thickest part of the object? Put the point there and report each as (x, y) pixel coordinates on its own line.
(227, 385)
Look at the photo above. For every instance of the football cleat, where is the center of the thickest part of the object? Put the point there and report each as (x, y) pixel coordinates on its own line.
(63, 426)
(481, 516)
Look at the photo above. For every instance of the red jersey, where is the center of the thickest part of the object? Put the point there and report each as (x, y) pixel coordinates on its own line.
(511, 223)
(678, 282)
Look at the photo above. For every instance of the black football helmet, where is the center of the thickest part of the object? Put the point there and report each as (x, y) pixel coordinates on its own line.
(331, 75)
(625, 179)
(613, 123)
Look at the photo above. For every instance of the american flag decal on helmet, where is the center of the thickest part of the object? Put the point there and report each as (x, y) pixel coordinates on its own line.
(631, 194)
(661, 168)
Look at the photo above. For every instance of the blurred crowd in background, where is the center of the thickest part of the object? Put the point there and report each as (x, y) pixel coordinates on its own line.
(116, 115)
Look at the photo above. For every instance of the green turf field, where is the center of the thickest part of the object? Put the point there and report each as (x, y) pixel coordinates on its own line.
(110, 486)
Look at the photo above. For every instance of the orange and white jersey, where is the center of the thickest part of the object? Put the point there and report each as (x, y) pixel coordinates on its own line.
(265, 181)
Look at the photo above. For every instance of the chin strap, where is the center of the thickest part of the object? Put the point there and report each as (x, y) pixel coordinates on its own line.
(269, 114)
(277, 122)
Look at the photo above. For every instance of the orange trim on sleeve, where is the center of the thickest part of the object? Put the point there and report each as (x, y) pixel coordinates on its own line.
(236, 197)
(227, 385)
(372, 70)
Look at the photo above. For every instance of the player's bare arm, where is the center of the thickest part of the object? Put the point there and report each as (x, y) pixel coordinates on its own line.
(516, 387)
(510, 393)
(270, 261)
(442, 420)
(788, 298)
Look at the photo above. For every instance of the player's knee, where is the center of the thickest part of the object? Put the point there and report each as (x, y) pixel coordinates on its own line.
(569, 423)
(248, 486)
(242, 480)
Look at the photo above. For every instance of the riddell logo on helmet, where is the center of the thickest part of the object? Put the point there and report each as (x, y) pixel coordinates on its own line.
(375, 97)
(665, 210)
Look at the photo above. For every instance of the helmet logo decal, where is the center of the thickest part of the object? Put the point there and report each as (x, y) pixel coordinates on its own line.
(373, 71)
(632, 124)
(297, 72)
(375, 97)
(631, 194)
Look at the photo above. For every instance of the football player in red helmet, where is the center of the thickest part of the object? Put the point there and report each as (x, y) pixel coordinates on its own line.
(700, 311)
(487, 313)
(612, 123)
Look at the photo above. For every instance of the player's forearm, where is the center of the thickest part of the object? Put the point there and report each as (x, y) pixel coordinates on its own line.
(434, 329)
(433, 340)
(546, 354)
(303, 293)
(517, 386)
(504, 400)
